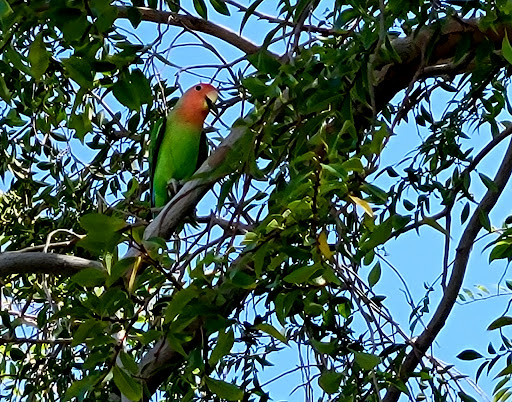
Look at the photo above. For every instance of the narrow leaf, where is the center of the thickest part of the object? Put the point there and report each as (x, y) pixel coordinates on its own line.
(367, 361)
(272, 331)
(220, 7)
(224, 389)
(38, 57)
(200, 7)
(323, 246)
(469, 354)
(128, 386)
(362, 203)
(506, 49)
(500, 322)
(330, 381)
(374, 275)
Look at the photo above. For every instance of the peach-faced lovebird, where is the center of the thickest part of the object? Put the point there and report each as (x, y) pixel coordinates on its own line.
(178, 145)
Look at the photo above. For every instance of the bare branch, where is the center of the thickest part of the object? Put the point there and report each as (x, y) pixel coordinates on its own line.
(43, 263)
(194, 24)
(393, 77)
(437, 322)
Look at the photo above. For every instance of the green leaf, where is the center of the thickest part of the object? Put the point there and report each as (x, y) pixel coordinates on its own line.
(96, 222)
(120, 268)
(374, 275)
(484, 220)
(5, 9)
(79, 388)
(499, 323)
(223, 346)
(224, 389)
(366, 361)
(249, 13)
(377, 193)
(272, 331)
(353, 165)
(409, 205)
(255, 86)
(90, 277)
(264, 62)
(436, 225)
(324, 347)
(506, 49)
(488, 182)
(220, 7)
(502, 249)
(134, 16)
(72, 21)
(141, 86)
(79, 70)
(465, 397)
(103, 232)
(302, 274)
(506, 371)
(128, 362)
(128, 385)
(5, 93)
(243, 280)
(200, 7)
(330, 381)
(87, 330)
(465, 213)
(105, 14)
(38, 57)
(125, 94)
(345, 307)
(133, 90)
(469, 354)
(81, 123)
(179, 300)
(379, 235)
(16, 354)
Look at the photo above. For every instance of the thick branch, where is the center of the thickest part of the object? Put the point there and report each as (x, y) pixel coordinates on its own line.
(425, 340)
(415, 64)
(194, 24)
(43, 263)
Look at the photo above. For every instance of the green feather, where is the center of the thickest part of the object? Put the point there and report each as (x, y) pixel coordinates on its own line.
(177, 149)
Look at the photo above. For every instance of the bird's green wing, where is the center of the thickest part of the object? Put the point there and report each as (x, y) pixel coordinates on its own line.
(156, 137)
(203, 150)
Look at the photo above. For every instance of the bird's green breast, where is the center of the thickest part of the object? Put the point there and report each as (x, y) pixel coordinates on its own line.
(179, 150)
(177, 156)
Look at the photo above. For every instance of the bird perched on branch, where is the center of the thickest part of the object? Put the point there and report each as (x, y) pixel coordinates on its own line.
(178, 143)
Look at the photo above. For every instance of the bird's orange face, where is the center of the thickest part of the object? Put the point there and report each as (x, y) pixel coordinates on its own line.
(196, 102)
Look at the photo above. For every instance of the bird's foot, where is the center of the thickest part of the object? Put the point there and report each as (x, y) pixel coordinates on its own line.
(156, 210)
(173, 186)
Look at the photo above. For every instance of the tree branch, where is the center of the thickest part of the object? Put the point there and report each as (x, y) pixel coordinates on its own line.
(194, 24)
(43, 263)
(393, 77)
(437, 322)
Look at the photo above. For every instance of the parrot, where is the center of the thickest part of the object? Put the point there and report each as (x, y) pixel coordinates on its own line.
(178, 144)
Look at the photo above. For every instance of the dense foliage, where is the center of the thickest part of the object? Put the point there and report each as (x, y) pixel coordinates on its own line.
(294, 202)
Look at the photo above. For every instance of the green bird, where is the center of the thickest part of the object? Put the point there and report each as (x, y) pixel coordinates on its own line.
(178, 144)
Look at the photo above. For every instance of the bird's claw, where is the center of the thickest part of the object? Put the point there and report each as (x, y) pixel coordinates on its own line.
(173, 186)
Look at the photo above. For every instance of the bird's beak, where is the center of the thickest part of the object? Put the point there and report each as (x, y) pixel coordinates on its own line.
(210, 99)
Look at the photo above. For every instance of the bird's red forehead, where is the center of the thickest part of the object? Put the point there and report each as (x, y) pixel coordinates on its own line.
(201, 90)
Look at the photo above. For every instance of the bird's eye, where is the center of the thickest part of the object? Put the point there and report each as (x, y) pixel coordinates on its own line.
(198, 87)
